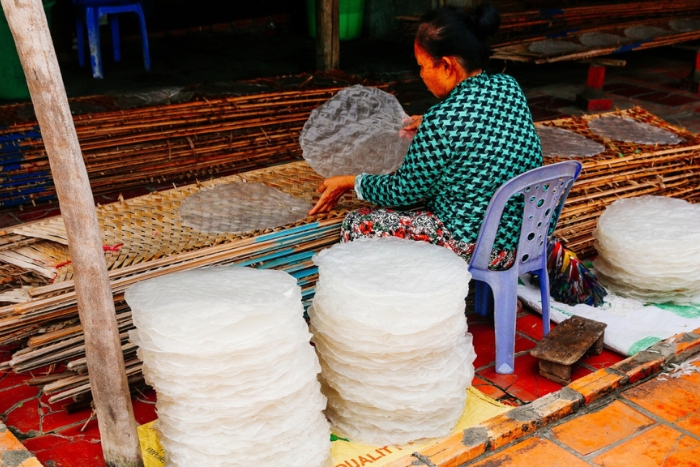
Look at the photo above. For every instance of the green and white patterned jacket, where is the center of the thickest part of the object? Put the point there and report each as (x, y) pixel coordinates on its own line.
(467, 146)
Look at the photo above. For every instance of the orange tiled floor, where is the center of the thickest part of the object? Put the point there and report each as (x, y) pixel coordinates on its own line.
(656, 423)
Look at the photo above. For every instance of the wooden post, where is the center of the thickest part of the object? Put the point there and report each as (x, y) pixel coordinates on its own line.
(105, 360)
(327, 35)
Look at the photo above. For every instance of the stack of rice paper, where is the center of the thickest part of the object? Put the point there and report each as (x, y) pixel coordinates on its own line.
(389, 328)
(228, 352)
(649, 249)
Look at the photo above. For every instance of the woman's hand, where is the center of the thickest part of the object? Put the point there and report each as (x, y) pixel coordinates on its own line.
(410, 127)
(412, 123)
(332, 189)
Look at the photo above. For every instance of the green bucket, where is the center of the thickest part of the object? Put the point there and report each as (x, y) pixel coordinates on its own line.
(350, 13)
(13, 84)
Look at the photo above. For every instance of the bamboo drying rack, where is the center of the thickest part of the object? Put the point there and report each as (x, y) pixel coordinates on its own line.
(144, 238)
(170, 143)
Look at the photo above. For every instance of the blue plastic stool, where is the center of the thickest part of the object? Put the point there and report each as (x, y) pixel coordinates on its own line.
(544, 190)
(88, 16)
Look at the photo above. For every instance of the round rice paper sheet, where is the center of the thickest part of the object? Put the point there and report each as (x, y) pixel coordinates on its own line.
(643, 32)
(358, 130)
(601, 39)
(631, 131)
(553, 47)
(684, 25)
(557, 142)
(241, 207)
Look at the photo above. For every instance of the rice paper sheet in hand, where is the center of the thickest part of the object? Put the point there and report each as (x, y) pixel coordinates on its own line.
(358, 130)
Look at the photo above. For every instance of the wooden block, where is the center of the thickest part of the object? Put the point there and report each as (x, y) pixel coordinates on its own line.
(597, 348)
(555, 378)
(562, 372)
(569, 341)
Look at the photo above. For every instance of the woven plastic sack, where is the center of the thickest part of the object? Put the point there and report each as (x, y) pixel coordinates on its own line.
(557, 142)
(389, 328)
(649, 248)
(632, 131)
(358, 130)
(227, 350)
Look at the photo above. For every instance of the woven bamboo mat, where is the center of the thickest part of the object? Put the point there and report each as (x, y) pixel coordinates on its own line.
(147, 228)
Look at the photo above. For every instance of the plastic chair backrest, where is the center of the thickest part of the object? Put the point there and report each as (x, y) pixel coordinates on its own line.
(544, 190)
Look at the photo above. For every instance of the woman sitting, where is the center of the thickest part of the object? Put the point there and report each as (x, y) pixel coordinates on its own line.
(465, 147)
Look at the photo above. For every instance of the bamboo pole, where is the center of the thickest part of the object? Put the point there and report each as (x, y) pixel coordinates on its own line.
(327, 35)
(117, 425)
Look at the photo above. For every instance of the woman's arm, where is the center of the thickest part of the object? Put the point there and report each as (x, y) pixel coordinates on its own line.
(423, 168)
(335, 187)
(331, 190)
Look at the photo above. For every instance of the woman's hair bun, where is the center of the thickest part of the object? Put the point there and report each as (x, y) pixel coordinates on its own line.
(486, 20)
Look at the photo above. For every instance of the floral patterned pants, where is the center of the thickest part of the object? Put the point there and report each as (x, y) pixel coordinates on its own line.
(413, 225)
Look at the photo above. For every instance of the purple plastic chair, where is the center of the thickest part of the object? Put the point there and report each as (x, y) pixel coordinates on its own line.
(544, 190)
(88, 17)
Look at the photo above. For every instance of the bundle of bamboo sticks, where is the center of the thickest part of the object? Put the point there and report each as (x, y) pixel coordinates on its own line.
(47, 325)
(186, 141)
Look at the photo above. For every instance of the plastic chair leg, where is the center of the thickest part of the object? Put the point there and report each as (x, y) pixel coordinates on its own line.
(114, 25)
(93, 27)
(544, 294)
(144, 39)
(80, 37)
(505, 304)
(483, 298)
